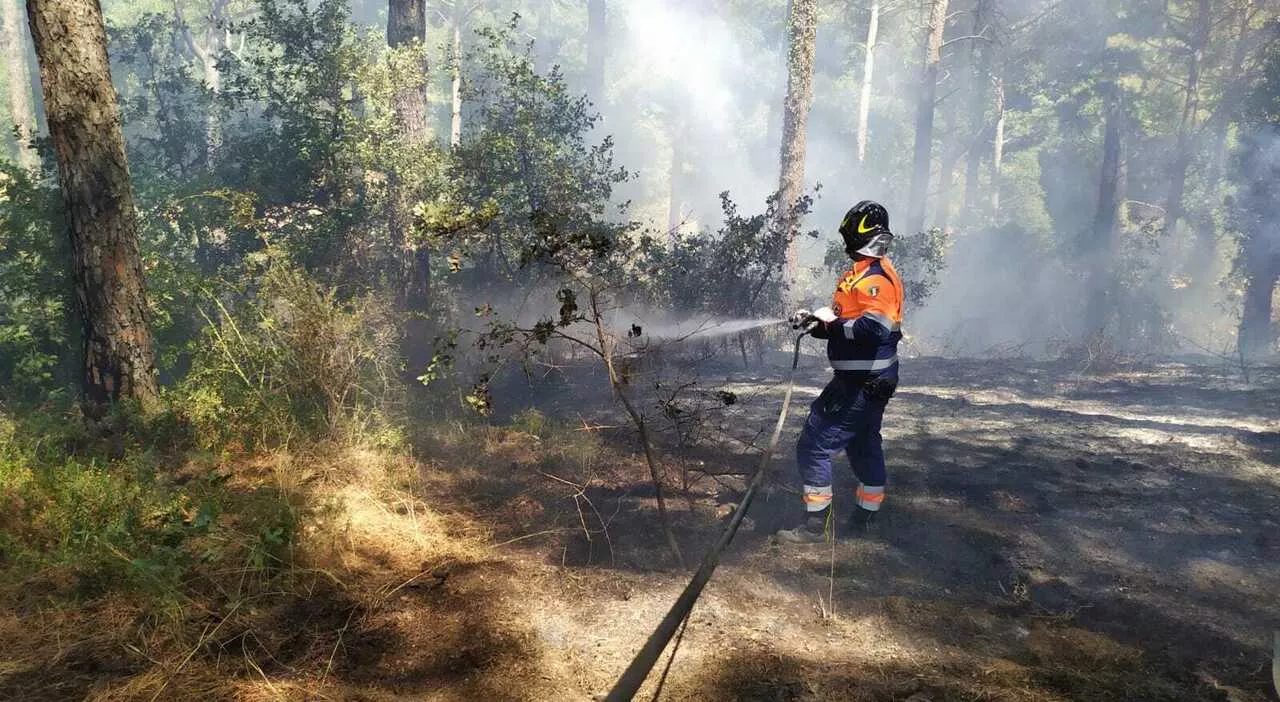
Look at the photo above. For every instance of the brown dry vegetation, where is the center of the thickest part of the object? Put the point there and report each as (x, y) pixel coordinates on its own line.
(1052, 537)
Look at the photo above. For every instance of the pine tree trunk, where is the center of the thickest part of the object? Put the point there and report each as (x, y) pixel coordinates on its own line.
(803, 33)
(18, 79)
(946, 179)
(1257, 332)
(868, 73)
(455, 122)
(922, 161)
(406, 27)
(1186, 124)
(84, 125)
(1225, 113)
(597, 48)
(1106, 222)
(997, 151)
(675, 178)
(977, 82)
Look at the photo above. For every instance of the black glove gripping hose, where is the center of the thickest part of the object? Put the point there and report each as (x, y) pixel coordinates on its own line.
(636, 673)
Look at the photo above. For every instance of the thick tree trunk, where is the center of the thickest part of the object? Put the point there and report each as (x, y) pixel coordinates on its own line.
(1257, 331)
(997, 151)
(84, 125)
(18, 79)
(803, 32)
(868, 73)
(407, 27)
(1107, 219)
(922, 161)
(597, 48)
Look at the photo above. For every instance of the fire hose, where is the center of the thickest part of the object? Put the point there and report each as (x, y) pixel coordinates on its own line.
(634, 676)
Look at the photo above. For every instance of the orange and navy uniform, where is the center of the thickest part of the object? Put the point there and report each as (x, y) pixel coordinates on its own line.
(868, 304)
(862, 345)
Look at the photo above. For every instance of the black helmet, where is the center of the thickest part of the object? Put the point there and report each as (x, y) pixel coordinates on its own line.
(865, 229)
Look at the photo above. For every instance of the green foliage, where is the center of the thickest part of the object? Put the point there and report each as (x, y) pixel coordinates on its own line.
(525, 188)
(35, 292)
(283, 358)
(86, 525)
(736, 271)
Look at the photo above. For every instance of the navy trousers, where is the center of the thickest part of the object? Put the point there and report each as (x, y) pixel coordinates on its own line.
(845, 417)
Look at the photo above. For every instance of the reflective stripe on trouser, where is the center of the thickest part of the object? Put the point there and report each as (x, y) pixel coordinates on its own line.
(817, 497)
(870, 497)
(843, 418)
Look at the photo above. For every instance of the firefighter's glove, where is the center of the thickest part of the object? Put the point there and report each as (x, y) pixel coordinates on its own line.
(822, 320)
(802, 319)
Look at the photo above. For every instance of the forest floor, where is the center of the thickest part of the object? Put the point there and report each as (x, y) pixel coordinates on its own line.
(1048, 535)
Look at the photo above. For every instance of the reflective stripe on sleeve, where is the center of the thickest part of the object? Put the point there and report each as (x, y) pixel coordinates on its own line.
(876, 365)
(883, 321)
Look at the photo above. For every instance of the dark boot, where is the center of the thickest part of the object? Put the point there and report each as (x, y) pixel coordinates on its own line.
(862, 521)
(812, 531)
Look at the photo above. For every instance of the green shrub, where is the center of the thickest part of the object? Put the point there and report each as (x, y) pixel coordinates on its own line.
(283, 358)
(79, 526)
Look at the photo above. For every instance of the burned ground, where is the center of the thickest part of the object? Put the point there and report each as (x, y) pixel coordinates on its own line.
(1050, 535)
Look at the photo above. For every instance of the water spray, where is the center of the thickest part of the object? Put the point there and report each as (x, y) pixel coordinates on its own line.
(700, 329)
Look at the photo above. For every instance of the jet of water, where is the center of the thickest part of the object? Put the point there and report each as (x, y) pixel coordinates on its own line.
(701, 328)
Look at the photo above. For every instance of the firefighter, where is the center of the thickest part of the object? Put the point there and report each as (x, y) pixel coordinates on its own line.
(862, 329)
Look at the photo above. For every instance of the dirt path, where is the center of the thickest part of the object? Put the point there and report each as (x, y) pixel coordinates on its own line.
(1047, 537)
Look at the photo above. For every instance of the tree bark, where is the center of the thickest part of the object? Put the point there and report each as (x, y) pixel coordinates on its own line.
(1257, 332)
(1187, 123)
(19, 82)
(675, 179)
(946, 179)
(206, 52)
(1106, 222)
(455, 122)
(84, 125)
(803, 33)
(922, 160)
(597, 48)
(407, 27)
(977, 83)
(997, 151)
(1225, 114)
(868, 73)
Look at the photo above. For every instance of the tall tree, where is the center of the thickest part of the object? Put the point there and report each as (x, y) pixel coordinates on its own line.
(1197, 34)
(18, 80)
(84, 125)
(868, 73)
(802, 27)
(459, 18)
(922, 159)
(997, 147)
(977, 84)
(407, 27)
(1257, 214)
(1107, 220)
(597, 48)
(206, 44)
